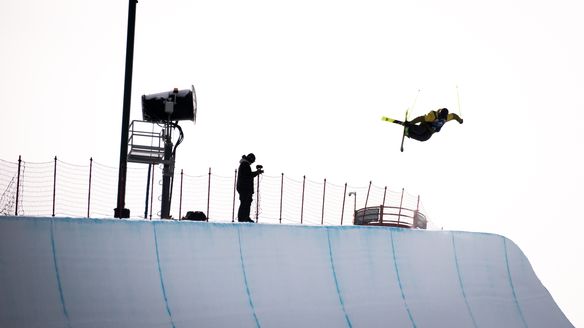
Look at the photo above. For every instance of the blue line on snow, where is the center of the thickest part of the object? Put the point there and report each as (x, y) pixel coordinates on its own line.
(511, 284)
(399, 279)
(336, 280)
(58, 275)
(460, 281)
(160, 274)
(255, 317)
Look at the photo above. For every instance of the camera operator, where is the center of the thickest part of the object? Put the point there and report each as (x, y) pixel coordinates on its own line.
(245, 186)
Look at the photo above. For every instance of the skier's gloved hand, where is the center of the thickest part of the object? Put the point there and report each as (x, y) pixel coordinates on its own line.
(460, 121)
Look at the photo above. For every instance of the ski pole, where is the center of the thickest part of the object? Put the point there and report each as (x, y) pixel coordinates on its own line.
(458, 99)
(415, 100)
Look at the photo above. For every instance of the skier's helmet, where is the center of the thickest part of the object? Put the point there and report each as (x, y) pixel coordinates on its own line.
(443, 113)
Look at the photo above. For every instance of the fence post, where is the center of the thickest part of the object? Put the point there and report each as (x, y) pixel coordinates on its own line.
(382, 205)
(323, 196)
(281, 196)
(152, 191)
(400, 206)
(147, 190)
(54, 184)
(354, 194)
(209, 195)
(302, 205)
(89, 185)
(181, 195)
(343, 210)
(384, 194)
(258, 200)
(380, 219)
(367, 198)
(234, 190)
(17, 186)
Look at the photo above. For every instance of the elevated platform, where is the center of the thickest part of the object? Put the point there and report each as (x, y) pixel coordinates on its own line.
(390, 216)
(146, 143)
(59, 272)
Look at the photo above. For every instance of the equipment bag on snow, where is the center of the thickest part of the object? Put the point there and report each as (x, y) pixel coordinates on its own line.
(195, 216)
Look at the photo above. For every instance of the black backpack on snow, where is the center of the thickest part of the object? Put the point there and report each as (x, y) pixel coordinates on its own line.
(195, 216)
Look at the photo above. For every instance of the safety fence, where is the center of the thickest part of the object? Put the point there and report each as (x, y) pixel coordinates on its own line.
(57, 188)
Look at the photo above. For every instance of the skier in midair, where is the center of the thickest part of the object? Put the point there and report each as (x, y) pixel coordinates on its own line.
(423, 127)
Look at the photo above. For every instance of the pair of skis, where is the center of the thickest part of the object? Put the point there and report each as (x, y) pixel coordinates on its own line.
(391, 120)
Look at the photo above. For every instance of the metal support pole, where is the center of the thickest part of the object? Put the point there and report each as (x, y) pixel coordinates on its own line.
(382, 205)
(17, 185)
(302, 205)
(152, 191)
(281, 196)
(258, 200)
(167, 175)
(89, 185)
(400, 206)
(54, 185)
(181, 197)
(416, 214)
(323, 197)
(353, 193)
(367, 198)
(380, 218)
(355, 205)
(147, 190)
(344, 197)
(209, 195)
(120, 211)
(234, 191)
(384, 194)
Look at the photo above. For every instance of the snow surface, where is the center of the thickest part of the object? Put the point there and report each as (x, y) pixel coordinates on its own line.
(64, 272)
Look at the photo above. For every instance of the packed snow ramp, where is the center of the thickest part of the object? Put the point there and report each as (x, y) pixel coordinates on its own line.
(61, 272)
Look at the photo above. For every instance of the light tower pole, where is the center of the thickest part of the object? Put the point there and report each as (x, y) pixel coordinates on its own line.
(120, 211)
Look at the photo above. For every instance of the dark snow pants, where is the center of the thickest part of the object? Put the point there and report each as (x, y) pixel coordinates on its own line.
(421, 132)
(244, 207)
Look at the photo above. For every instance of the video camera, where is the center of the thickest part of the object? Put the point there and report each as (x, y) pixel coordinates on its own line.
(260, 168)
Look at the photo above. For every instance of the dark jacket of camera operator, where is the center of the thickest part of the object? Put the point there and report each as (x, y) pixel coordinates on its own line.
(245, 175)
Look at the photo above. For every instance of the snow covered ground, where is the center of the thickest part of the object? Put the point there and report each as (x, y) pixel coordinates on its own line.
(61, 272)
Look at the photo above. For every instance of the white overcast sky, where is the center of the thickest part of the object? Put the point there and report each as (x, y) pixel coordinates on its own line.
(303, 85)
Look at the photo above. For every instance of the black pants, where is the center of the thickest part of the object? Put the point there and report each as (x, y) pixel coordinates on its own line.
(244, 207)
(420, 132)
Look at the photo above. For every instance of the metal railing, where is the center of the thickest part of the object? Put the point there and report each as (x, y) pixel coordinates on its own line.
(393, 216)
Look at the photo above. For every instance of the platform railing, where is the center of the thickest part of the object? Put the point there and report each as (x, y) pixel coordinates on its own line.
(145, 144)
(393, 216)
